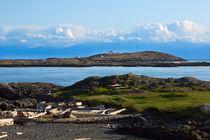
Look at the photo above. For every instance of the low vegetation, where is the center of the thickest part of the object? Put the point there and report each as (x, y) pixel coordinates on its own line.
(176, 98)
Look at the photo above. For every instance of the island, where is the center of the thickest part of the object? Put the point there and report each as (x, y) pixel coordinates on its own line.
(146, 58)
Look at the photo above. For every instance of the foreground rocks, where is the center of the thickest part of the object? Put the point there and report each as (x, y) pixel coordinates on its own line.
(27, 90)
(167, 129)
(21, 103)
(24, 94)
(205, 108)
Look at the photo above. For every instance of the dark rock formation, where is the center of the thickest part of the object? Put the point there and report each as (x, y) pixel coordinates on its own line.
(7, 92)
(24, 95)
(27, 90)
(166, 129)
(140, 82)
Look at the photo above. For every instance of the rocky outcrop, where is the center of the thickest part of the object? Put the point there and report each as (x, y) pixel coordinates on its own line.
(139, 82)
(7, 92)
(25, 95)
(37, 90)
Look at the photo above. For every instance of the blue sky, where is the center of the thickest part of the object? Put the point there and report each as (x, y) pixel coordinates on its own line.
(100, 14)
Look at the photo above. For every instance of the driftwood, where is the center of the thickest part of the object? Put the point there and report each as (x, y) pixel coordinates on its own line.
(6, 122)
(83, 139)
(61, 114)
(38, 115)
(8, 114)
(117, 111)
(31, 115)
(98, 107)
(104, 112)
(64, 111)
(54, 111)
(80, 120)
(29, 109)
(3, 136)
(19, 133)
(85, 112)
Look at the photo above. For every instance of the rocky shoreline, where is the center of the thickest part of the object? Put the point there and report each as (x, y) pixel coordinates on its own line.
(152, 123)
(129, 64)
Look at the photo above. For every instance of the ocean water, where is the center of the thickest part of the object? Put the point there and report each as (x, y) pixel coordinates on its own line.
(67, 75)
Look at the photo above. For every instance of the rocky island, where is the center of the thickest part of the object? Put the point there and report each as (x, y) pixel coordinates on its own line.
(156, 108)
(147, 58)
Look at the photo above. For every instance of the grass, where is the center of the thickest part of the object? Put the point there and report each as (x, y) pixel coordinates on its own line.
(179, 104)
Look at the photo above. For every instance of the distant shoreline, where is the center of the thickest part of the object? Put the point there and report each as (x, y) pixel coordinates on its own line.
(137, 59)
(196, 64)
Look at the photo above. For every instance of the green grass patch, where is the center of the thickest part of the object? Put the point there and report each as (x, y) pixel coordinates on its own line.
(174, 104)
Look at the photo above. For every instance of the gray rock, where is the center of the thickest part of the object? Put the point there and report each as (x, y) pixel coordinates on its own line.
(205, 108)
(207, 123)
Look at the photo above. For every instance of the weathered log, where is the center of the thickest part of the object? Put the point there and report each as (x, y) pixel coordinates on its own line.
(38, 115)
(80, 120)
(9, 121)
(55, 111)
(117, 111)
(3, 136)
(83, 139)
(8, 114)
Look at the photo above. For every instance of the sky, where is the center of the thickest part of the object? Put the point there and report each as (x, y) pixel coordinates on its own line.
(102, 14)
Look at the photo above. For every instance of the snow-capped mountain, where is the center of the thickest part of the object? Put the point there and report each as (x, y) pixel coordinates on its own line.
(182, 38)
(66, 35)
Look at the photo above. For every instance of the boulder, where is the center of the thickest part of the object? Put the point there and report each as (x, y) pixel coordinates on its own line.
(207, 123)
(205, 108)
(7, 92)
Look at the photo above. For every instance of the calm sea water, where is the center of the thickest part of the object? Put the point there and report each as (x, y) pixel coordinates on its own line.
(67, 76)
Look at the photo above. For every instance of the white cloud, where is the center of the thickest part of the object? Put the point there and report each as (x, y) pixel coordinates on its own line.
(23, 40)
(2, 37)
(174, 31)
(68, 34)
(59, 29)
(121, 38)
(138, 38)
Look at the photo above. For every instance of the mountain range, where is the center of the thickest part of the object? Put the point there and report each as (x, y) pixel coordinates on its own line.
(181, 38)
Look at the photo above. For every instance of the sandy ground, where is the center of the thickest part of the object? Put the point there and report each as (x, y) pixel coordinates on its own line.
(61, 131)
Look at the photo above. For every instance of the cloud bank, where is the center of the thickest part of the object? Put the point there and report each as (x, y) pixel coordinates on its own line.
(66, 35)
